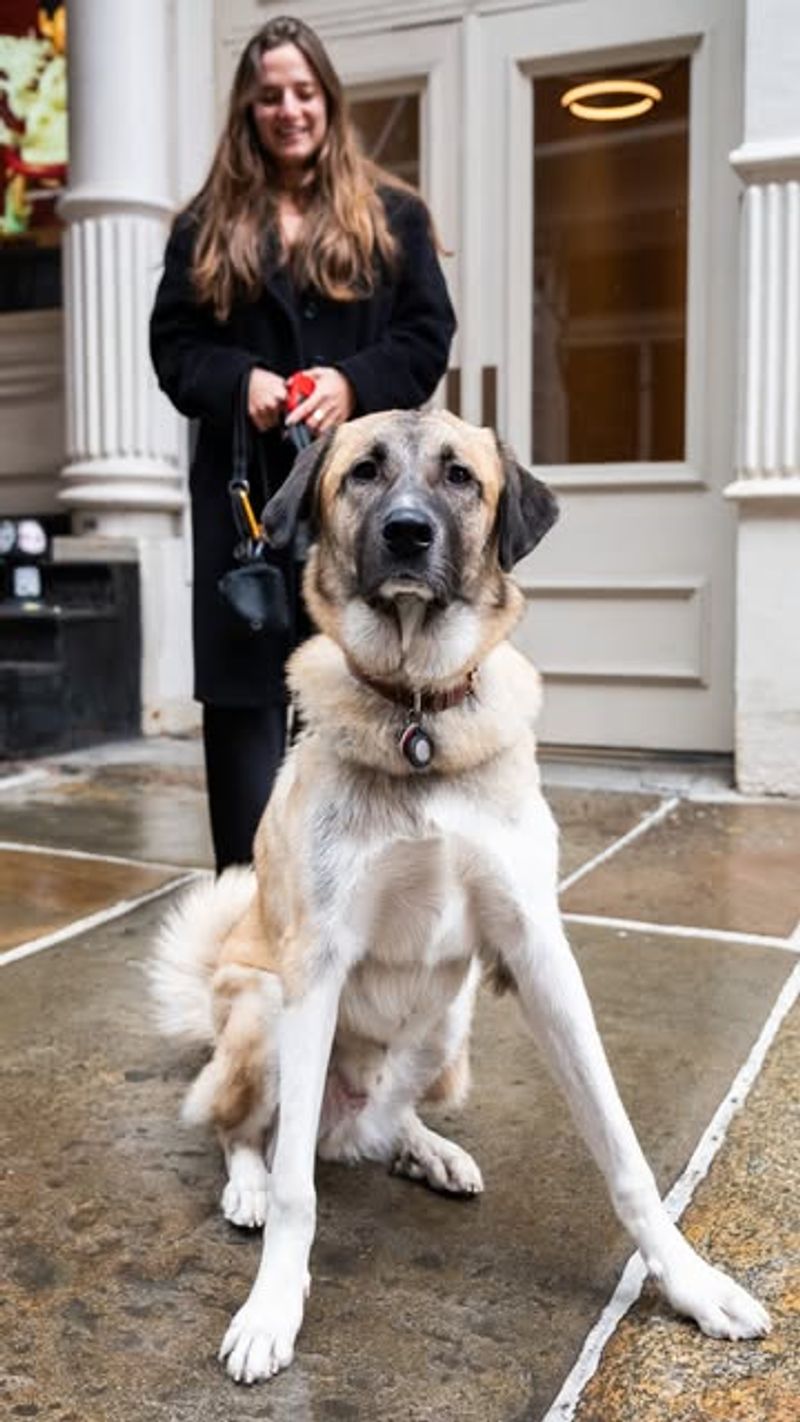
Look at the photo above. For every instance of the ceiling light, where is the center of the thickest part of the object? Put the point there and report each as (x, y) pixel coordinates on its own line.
(646, 96)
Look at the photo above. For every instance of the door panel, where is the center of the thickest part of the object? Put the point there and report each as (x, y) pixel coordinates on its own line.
(612, 325)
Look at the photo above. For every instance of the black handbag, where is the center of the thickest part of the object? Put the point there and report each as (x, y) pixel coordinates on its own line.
(256, 589)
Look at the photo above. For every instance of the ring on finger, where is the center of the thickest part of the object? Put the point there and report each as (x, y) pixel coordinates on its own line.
(317, 416)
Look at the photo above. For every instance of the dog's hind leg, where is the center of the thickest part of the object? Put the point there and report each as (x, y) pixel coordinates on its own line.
(422, 1154)
(237, 1090)
(387, 1128)
(244, 1199)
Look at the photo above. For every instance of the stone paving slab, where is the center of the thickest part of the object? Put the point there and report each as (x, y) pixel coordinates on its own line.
(747, 1215)
(153, 812)
(42, 893)
(734, 867)
(123, 1274)
(157, 812)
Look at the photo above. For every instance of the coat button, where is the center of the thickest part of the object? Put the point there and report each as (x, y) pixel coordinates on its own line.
(310, 310)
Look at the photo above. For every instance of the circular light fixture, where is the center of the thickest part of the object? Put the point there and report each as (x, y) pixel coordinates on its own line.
(646, 96)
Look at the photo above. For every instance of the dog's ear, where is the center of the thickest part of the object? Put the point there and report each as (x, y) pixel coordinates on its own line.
(296, 497)
(526, 512)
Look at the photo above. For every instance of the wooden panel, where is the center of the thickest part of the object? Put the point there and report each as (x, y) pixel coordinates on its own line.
(651, 632)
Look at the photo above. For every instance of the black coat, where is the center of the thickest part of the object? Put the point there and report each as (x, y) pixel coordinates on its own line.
(393, 348)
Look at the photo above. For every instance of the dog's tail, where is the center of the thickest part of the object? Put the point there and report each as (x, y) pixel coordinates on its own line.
(187, 953)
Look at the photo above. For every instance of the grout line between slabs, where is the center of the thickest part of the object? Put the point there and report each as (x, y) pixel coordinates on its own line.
(21, 847)
(646, 823)
(682, 930)
(678, 1198)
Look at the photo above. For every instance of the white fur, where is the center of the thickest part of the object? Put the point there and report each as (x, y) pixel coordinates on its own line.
(186, 953)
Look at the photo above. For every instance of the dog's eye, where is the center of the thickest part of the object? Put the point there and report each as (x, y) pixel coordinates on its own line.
(365, 472)
(459, 475)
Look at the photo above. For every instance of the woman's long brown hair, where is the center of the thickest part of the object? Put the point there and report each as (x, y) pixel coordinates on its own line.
(345, 225)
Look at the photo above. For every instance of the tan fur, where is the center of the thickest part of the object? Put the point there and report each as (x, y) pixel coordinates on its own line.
(451, 1086)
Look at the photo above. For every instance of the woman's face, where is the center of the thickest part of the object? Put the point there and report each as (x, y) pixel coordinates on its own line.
(289, 110)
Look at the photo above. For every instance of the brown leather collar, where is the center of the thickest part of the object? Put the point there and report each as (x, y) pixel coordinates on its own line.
(417, 699)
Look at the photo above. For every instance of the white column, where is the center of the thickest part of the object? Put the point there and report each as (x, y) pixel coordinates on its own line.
(767, 484)
(141, 97)
(123, 475)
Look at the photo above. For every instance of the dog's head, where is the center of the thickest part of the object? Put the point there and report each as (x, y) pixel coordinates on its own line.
(410, 507)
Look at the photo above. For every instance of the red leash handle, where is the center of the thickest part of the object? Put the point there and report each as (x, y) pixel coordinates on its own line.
(299, 386)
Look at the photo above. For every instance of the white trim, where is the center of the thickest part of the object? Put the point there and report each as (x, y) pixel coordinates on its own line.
(639, 829)
(93, 920)
(634, 1274)
(773, 161)
(600, 478)
(682, 930)
(772, 490)
(13, 846)
(78, 204)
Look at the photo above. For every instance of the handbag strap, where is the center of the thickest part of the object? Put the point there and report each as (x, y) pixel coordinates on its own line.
(245, 445)
(249, 529)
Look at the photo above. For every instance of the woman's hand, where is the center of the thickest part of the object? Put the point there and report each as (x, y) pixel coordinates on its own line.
(266, 396)
(331, 403)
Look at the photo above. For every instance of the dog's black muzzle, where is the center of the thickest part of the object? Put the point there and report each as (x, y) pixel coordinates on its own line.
(408, 545)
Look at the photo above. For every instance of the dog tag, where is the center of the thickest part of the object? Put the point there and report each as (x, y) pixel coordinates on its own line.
(417, 746)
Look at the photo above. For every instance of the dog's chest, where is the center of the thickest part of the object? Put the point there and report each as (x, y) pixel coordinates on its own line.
(408, 907)
(414, 939)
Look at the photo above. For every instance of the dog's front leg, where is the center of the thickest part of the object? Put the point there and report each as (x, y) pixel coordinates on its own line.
(260, 1340)
(557, 1006)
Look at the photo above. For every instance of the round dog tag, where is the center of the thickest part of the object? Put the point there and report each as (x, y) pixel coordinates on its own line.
(417, 746)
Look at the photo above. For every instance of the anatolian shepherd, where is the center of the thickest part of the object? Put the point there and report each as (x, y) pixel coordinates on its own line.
(406, 846)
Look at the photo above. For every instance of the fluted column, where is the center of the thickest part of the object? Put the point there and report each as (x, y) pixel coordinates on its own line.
(768, 445)
(123, 473)
(766, 487)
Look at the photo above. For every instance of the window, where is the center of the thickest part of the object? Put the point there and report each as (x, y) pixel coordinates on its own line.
(388, 126)
(610, 259)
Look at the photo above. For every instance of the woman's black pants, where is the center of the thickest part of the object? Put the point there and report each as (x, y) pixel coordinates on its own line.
(244, 746)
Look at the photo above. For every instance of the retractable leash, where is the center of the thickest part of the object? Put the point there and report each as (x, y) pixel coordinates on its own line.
(299, 387)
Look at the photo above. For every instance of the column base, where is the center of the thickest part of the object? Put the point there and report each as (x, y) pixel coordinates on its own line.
(123, 497)
(768, 649)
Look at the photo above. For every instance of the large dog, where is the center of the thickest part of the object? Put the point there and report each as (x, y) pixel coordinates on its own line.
(405, 846)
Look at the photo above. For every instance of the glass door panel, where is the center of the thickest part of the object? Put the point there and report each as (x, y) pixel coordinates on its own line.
(610, 204)
(388, 126)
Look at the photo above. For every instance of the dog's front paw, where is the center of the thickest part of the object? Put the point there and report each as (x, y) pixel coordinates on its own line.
(260, 1339)
(719, 1306)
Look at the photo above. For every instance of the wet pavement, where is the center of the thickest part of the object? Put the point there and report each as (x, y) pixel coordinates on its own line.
(120, 1272)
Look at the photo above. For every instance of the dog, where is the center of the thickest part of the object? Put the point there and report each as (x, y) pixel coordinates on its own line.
(406, 849)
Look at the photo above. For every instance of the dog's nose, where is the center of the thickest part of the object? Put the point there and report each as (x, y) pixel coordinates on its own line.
(408, 531)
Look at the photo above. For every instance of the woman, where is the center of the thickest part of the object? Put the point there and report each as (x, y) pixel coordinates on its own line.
(297, 254)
